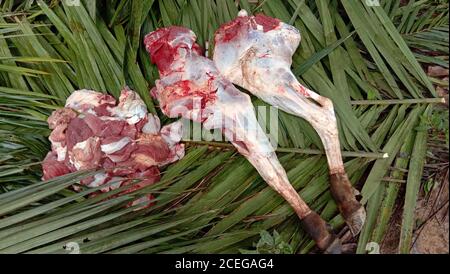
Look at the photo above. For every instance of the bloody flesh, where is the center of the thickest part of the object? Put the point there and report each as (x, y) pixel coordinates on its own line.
(92, 132)
(192, 87)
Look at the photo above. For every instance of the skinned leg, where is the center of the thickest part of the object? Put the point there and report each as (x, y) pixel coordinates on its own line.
(272, 172)
(255, 146)
(319, 112)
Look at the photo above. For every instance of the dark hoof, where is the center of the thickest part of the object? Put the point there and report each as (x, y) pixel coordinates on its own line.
(334, 248)
(351, 210)
(321, 233)
(355, 221)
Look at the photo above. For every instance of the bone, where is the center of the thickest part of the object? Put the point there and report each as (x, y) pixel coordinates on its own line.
(190, 86)
(255, 52)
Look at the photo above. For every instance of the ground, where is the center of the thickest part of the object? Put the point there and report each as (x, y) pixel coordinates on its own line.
(431, 234)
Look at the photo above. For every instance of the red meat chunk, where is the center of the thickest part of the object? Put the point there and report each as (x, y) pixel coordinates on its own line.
(92, 132)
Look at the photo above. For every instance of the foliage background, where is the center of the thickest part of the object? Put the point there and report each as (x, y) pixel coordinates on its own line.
(369, 60)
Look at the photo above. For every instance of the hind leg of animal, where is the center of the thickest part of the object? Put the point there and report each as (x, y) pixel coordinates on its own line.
(270, 169)
(311, 222)
(323, 120)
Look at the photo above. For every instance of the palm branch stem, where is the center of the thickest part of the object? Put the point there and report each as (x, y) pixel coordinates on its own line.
(356, 154)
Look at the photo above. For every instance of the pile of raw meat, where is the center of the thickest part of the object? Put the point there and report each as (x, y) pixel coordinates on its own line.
(126, 142)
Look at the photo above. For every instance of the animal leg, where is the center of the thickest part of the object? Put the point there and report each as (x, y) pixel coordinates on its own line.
(320, 114)
(255, 146)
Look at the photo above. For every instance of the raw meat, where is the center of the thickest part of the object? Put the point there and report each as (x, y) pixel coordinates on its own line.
(255, 52)
(92, 132)
(190, 86)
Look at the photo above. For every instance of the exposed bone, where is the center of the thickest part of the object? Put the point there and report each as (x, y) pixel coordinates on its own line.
(255, 52)
(191, 86)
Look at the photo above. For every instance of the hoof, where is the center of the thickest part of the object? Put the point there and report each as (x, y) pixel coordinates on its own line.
(355, 221)
(351, 210)
(321, 233)
(334, 248)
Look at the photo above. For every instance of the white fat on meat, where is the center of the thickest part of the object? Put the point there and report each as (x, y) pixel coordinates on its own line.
(61, 151)
(153, 126)
(131, 107)
(172, 133)
(84, 97)
(115, 146)
(99, 179)
(253, 51)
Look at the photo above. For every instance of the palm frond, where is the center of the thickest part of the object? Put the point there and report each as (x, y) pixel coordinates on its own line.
(366, 59)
